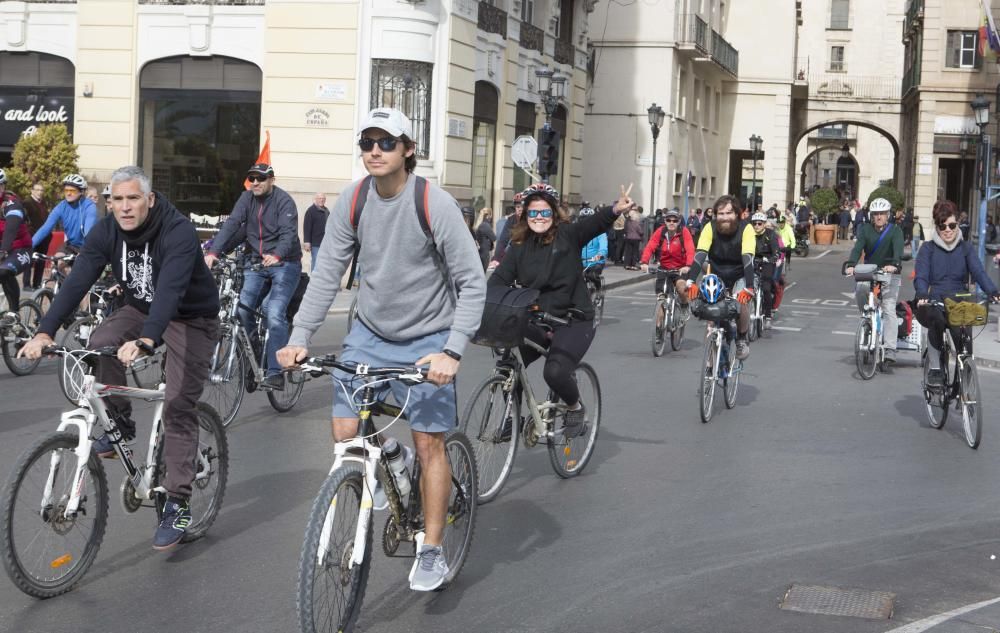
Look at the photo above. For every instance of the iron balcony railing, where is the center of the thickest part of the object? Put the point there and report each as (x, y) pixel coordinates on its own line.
(492, 19)
(564, 52)
(854, 87)
(532, 37)
(692, 30)
(724, 53)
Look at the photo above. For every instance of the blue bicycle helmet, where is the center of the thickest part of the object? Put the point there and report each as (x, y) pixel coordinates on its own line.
(711, 288)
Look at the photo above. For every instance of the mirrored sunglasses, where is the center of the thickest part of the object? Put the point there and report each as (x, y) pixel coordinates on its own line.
(534, 213)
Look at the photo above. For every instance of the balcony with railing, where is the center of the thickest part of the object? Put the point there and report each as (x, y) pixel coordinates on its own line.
(725, 55)
(853, 87)
(492, 19)
(564, 52)
(692, 33)
(532, 37)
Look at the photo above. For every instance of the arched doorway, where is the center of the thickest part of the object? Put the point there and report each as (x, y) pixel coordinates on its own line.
(199, 126)
(484, 138)
(852, 157)
(36, 89)
(830, 168)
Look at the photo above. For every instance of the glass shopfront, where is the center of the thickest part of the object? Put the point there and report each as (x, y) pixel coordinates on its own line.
(484, 137)
(199, 129)
(35, 89)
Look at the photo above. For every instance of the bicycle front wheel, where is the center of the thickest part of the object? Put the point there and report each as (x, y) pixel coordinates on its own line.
(677, 322)
(211, 473)
(732, 381)
(661, 318)
(17, 335)
(708, 373)
(865, 354)
(491, 422)
(570, 456)
(330, 588)
(972, 410)
(284, 399)
(935, 398)
(226, 385)
(460, 523)
(45, 552)
(43, 297)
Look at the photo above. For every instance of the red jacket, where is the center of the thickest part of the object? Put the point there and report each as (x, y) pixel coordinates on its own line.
(677, 253)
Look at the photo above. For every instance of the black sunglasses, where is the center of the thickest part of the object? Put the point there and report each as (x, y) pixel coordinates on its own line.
(386, 143)
(951, 226)
(758, 223)
(257, 178)
(671, 220)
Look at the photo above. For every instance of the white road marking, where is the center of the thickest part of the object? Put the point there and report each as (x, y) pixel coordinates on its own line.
(790, 286)
(821, 255)
(810, 302)
(834, 302)
(849, 295)
(934, 620)
(786, 328)
(842, 332)
(650, 320)
(801, 313)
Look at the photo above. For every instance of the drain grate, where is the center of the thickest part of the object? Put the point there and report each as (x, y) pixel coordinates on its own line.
(856, 603)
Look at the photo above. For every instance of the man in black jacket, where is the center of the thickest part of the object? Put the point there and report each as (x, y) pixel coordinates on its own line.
(170, 298)
(314, 228)
(267, 216)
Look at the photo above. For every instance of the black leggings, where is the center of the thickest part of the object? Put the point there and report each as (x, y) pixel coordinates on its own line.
(766, 272)
(17, 261)
(566, 349)
(933, 318)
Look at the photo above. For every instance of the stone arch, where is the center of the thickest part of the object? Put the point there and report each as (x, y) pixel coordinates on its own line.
(860, 123)
(832, 146)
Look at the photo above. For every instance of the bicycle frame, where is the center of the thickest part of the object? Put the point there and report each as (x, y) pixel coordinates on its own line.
(512, 367)
(873, 312)
(718, 334)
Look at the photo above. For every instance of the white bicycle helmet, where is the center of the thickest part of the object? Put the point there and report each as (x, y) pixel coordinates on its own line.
(75, 180)
(758, 217)
(879, 205)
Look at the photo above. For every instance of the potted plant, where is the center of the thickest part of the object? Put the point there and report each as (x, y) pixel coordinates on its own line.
(823, 203)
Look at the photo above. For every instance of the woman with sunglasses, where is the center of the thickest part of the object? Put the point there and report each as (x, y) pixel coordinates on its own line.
(545, 254)
(944, 265)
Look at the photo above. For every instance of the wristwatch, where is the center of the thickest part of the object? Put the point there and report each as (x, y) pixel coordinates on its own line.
(453, 354)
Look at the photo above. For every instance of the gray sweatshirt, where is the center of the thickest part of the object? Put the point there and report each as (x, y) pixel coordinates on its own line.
(403, 293)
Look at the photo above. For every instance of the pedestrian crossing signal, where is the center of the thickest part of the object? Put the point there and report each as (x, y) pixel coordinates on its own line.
(548, 152)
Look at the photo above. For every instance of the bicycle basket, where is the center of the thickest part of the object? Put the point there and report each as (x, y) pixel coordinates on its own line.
(865, 272)
(505, 316)
(721, 310)
(965, 313)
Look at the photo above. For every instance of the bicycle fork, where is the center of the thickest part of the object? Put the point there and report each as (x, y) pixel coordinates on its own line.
(368, 465)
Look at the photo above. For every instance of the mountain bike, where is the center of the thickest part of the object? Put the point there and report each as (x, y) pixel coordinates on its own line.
(720, 365)
(492, 419)
(593, 275)
(869, 343)
(961, 380)
(55, 502)
(669, 317)
(44, 295)
(336, 553)
(16, 329)
(756, 330)
(239, 361)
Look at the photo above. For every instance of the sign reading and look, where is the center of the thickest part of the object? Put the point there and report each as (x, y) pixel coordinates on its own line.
(20, 117)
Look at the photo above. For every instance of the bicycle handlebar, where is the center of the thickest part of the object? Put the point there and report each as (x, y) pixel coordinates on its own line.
(65, 258)
(318, 365)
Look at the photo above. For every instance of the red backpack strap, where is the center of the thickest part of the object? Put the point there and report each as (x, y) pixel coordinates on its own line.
(422, 198)
(358, 201)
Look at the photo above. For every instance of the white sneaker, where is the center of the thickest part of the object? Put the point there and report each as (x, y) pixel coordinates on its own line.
(767, 323)
(429, 569)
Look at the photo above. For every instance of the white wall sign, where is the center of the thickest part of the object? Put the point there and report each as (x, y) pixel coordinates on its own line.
(317, 117)
(946, 124)
(925, 170)
(331, 92)
(456, 127)
(926, 159)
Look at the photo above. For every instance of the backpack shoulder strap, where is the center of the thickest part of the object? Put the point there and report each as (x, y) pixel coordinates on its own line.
(358, 201)
(422, 197)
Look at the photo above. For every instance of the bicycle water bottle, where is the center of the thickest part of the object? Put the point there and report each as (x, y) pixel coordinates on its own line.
(397, 464)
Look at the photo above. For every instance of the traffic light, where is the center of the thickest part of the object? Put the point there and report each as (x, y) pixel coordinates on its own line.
(548, 152)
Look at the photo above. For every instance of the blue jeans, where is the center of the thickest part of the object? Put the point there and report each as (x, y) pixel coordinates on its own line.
(313, 256)
(278, 284)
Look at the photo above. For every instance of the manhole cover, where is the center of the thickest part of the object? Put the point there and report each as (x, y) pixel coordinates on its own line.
(856, 603)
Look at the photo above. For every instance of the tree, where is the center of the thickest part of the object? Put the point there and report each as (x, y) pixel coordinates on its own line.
(45, 156)
(824, 202)
(891, 194)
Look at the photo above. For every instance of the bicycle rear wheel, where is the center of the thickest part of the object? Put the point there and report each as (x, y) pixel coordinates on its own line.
(660, 320)
(284, 399)
(570, 456)
(865, 357)
(43, 297)
(708, 373)
(677, 323)
(460, 524)
(330, 589)
(224, 389)
(15, 336)
(972, 410)
(488, 413)
(44, 552)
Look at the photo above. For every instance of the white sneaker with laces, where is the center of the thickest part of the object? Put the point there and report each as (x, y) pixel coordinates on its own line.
(429, 569)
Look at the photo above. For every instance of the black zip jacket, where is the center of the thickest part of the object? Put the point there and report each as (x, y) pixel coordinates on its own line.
(159, 266)
(271, 223)
(554, 269)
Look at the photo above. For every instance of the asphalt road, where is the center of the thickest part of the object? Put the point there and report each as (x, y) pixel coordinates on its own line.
(815, 478)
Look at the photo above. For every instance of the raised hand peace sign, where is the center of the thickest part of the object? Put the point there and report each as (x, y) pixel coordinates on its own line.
(624, 202)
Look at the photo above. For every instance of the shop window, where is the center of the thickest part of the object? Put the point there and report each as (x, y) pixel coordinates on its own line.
(37, 87)
(484, 133)
(406, 86)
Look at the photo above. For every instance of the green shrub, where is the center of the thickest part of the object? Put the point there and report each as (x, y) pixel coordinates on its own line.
(46, 156)
(891, 194)
(824, 202)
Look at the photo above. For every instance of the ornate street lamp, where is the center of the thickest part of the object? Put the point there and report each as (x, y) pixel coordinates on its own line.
(981, 109)
(845, 151)
(656, 115)
(551, 88)
(755, 143)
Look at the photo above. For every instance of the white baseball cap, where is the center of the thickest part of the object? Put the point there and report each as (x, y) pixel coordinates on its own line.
(391, 120)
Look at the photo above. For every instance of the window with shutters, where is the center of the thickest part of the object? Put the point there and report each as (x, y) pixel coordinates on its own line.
(840, 13)
(962, 50)
(837, 59)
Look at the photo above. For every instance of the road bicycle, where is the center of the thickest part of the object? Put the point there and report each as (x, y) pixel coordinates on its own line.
(17, 328)
(720, 365)
(493, 423)
(669, 317)
(44, 295)
(593, 275)
(756, 330)
(336, 555)
(55, 502)
(961, 379)
(147, 372)
(869, 341)
(239, 361)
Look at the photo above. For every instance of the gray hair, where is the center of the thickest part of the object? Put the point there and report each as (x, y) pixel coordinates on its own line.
(129, 173)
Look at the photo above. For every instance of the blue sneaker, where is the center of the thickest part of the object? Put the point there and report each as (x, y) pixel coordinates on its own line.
(173, 525)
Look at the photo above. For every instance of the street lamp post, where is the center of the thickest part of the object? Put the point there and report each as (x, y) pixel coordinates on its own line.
(963, 151)
(845, 152)
(656, 115)
(551, 88)
(755, 143)
(981, 108)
